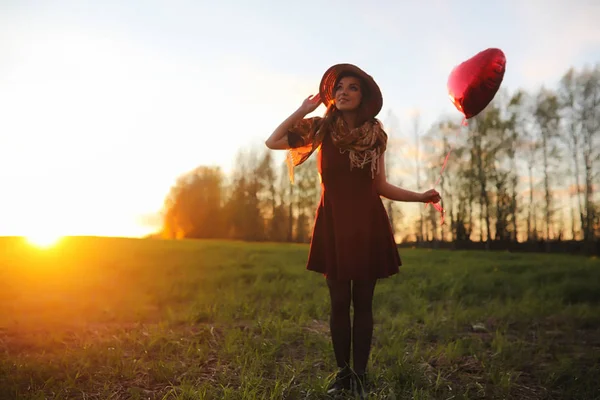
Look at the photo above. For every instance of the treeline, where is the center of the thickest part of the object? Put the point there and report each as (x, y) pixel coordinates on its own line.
(524, 172)
(256, 203)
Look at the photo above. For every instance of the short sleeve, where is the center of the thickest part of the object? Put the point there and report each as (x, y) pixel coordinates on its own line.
(294, 140)
(302, 133)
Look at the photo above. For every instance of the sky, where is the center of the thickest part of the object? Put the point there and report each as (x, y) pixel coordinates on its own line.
(104, 104)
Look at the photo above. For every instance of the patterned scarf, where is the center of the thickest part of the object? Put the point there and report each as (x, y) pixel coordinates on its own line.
(365, 144)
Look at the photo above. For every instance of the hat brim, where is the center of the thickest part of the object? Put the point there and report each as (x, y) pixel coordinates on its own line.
(326, 88)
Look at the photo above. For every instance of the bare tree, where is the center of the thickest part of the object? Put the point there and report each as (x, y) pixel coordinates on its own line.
(392, 127)
(546, 115)
(514, 126)
(307, 197)
(570, 101)
(590, 113)
(417, 136)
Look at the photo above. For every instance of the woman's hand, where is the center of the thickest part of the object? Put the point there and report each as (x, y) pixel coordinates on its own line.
(310, 104)
(430, 196)
(279, 138)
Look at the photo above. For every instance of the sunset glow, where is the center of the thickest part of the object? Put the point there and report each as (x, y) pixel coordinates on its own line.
(43, 240)
(102, 110)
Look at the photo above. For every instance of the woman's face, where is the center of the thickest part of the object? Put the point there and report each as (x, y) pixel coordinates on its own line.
(347, 94)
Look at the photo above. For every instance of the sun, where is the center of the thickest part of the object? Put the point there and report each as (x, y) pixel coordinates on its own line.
(43, 240)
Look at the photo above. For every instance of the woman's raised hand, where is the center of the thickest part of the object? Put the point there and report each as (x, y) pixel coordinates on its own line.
(311, 103)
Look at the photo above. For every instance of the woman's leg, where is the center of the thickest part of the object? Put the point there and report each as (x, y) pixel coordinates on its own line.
(362, 298)
(339, 321)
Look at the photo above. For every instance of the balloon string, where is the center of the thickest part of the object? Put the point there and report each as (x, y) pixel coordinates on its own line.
(437, 206)
(443, 167)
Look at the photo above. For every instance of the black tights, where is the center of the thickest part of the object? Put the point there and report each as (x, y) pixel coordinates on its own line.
(342, 335)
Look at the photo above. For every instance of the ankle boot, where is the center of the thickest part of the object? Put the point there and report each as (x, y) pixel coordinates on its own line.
(341, 382)
(360, 385)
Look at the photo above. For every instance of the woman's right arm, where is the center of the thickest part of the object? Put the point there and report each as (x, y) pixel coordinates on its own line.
(279, 138)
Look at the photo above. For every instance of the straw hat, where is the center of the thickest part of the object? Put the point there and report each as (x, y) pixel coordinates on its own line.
(372, 99)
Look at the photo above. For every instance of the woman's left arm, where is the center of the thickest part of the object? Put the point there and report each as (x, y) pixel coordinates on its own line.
(395, 193)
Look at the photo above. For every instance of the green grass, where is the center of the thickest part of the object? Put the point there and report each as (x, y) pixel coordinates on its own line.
(99, 318)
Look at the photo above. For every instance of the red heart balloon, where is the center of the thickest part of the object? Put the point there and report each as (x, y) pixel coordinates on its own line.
(474, 83)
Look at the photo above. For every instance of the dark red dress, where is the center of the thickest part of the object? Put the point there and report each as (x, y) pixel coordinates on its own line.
(352, 236)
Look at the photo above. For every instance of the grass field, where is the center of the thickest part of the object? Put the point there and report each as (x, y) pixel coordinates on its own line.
(96, 318)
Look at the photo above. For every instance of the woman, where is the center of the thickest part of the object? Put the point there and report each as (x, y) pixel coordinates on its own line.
(352, 242)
